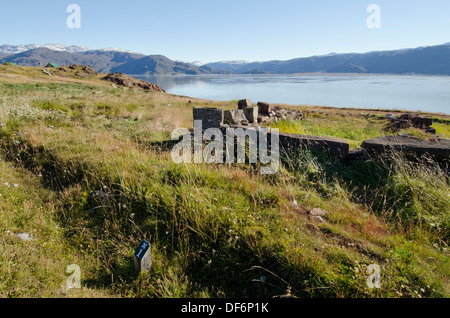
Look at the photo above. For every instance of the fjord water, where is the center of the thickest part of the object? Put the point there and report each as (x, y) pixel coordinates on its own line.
(405, 92)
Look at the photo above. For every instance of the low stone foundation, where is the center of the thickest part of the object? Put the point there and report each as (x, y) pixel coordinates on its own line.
(439, 150)
(244, 117)
(334, 146)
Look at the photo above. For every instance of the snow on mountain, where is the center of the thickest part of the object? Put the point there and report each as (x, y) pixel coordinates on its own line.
(239, 62)
(15, 49)
(197, 63)
(117, 50)
(64, 47)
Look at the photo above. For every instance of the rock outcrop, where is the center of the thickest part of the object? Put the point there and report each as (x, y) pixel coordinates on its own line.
(405, 121)
(128, 81)
(83, 71)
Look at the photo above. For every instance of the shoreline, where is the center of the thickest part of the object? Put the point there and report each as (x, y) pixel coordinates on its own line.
(289, 74)
(182, 84)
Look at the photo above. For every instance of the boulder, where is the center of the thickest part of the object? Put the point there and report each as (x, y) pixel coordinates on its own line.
(128, 81)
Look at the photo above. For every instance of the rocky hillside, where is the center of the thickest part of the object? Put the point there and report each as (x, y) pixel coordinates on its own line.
(128, 81)
(105, 61)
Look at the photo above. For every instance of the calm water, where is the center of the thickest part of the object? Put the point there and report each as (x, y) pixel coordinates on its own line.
(415, 93)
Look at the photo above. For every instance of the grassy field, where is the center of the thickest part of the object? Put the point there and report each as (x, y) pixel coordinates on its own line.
(85, 169)
(352, 127)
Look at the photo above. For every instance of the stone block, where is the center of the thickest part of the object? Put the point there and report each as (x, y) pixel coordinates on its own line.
(422, 122)
(210, 117)
(264, 108)
(334, 146)
(251, 113)
(234, 117)
(440, 149)
(243, 103)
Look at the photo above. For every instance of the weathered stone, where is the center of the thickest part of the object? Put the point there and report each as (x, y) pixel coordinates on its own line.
(318, 212)
(430, 130)
(294, 115)
(128, 81)
(24, 236)
(234, 117)
(404, 123)
(251, 113)
(334, 146)
(406, 116)
(440, 149)
(401, 124)
(317, 218)
(243, 103)
(264, 108)
(143, 257)
(422, 122)
(210, 117)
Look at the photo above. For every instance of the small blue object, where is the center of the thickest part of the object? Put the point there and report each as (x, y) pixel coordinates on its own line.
(142, 249)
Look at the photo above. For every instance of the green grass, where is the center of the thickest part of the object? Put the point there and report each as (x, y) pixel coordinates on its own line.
(215, 231)
(442, 129)
(354, 129)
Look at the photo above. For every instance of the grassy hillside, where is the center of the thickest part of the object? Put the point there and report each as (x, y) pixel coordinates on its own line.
(108, 61)
(86, 170)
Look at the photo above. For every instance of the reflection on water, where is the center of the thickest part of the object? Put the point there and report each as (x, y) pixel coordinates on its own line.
(425, 93)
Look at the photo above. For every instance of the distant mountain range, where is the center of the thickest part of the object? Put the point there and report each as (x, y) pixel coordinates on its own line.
(15, 49)
(104, 61)
(431, 60)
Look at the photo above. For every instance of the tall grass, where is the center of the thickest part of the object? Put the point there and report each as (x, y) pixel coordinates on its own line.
(106, 181)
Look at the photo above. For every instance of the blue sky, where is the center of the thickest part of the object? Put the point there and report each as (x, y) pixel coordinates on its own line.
(216, 30)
